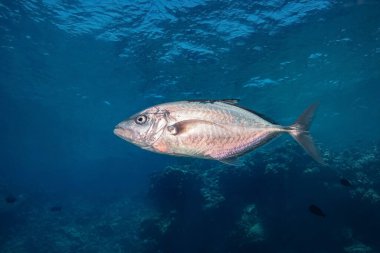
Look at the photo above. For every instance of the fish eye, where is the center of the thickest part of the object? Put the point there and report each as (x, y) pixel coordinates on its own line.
(141, 119)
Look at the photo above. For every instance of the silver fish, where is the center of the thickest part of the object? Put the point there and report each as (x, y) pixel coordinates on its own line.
(211, 129)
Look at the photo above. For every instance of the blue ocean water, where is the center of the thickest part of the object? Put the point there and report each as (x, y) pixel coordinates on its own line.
(70, 70)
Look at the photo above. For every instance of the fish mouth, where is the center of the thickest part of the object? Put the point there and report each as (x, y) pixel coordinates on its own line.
(127, 135)
(118, 131)
(123, 133)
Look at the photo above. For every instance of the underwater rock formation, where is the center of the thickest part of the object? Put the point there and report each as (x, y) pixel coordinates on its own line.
(206, 207)
(358, 247)
(225, 209)
(249, 226)
(175, 188)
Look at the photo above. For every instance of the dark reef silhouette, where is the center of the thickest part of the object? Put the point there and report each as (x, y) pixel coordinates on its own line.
(203, 206)
(224, 209)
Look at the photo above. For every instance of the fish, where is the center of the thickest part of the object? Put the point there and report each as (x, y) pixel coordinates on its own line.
(10, 199)
(218, 130)
(55, 208)
(316, 211)
(345, 182)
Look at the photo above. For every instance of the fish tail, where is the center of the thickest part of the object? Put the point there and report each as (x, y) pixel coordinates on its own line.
(300, 132)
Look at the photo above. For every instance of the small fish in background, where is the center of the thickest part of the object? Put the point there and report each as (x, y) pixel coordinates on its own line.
(56, 209)
(10, 199)
(316, 211)
(345, 182)
(211, 129)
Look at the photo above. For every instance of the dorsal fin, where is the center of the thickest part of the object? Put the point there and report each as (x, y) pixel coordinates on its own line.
(258, 114)
(230, 101)
(234, 102)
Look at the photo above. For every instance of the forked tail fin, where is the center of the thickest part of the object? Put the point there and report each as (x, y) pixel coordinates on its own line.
(300, 132)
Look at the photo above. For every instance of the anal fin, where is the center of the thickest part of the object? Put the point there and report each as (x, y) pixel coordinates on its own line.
(234, 161)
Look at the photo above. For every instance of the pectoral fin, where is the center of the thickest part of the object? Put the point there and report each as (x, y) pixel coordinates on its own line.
(186, 125)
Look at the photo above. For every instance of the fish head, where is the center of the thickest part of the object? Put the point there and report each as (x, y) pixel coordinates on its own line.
(144, 128)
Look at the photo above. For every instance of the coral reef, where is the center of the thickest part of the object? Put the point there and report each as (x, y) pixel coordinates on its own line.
(249, 227)
(203, 206)
(358, 247)
(80, 227)
(228, 209)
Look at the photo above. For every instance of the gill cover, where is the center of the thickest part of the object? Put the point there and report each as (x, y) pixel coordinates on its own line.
(159, 122)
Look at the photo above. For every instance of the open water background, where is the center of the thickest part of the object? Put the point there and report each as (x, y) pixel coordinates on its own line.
(70, 70)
